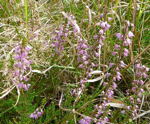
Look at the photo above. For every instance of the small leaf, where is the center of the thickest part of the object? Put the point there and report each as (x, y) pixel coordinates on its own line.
(96, 72)
(94, 80)
(116, 105)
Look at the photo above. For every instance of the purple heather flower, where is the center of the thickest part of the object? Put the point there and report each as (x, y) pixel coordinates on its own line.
(134, 113)
(97, 54)
(20, 85)
(24, 54)
(81, 66)
(138, 66)
(18, 65)
(134, 89)
(141, 82)
(84, 46)
(59, 41)
(142, 90)
(126, 52)
(117, 47)
(135, 82)
(21, 66)
(104, 25)
(139, 74)
(25, 78)
(17, 57)
(114, 53)
(17, 73)
(86, 62)
(105, 83)
(28, 48)
(117, 69)
(122, 64)
(111, 65)
(26, 86)
(117, 77)
(17, 49)
(130, 34)
(114, 85)
(95, 37)
(84, 58)
(39, 114)
(128, 107)
(119, 36)
(108, 75)
(109, 19)
(131, 99)
(106, 119)
(141, 71)
(86, 120)
(99, 112)
(101, 15)
(127, 42)
(36, 114)
(109, 94)
(101, 32)
(145, 75)
(138, 100)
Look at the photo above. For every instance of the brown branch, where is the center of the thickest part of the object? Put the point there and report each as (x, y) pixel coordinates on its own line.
(137, 57)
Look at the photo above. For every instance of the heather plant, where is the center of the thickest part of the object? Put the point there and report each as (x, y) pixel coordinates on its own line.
(74, 62)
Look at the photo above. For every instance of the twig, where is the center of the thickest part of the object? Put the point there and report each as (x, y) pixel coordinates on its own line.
(89, 13)
(6, 92)
(142, 114)
(43, 72)
(137, 57)
(72, 110)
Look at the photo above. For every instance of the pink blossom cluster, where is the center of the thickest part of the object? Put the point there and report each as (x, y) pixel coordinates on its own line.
(59, 39)
(21, 67)
(127, 39)
(82, 44)
(37, 113)
(114, 73)
(85, 120)
(102, 110)
(113, 76)
(83, 55)
(104, 26)
(141, 73)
